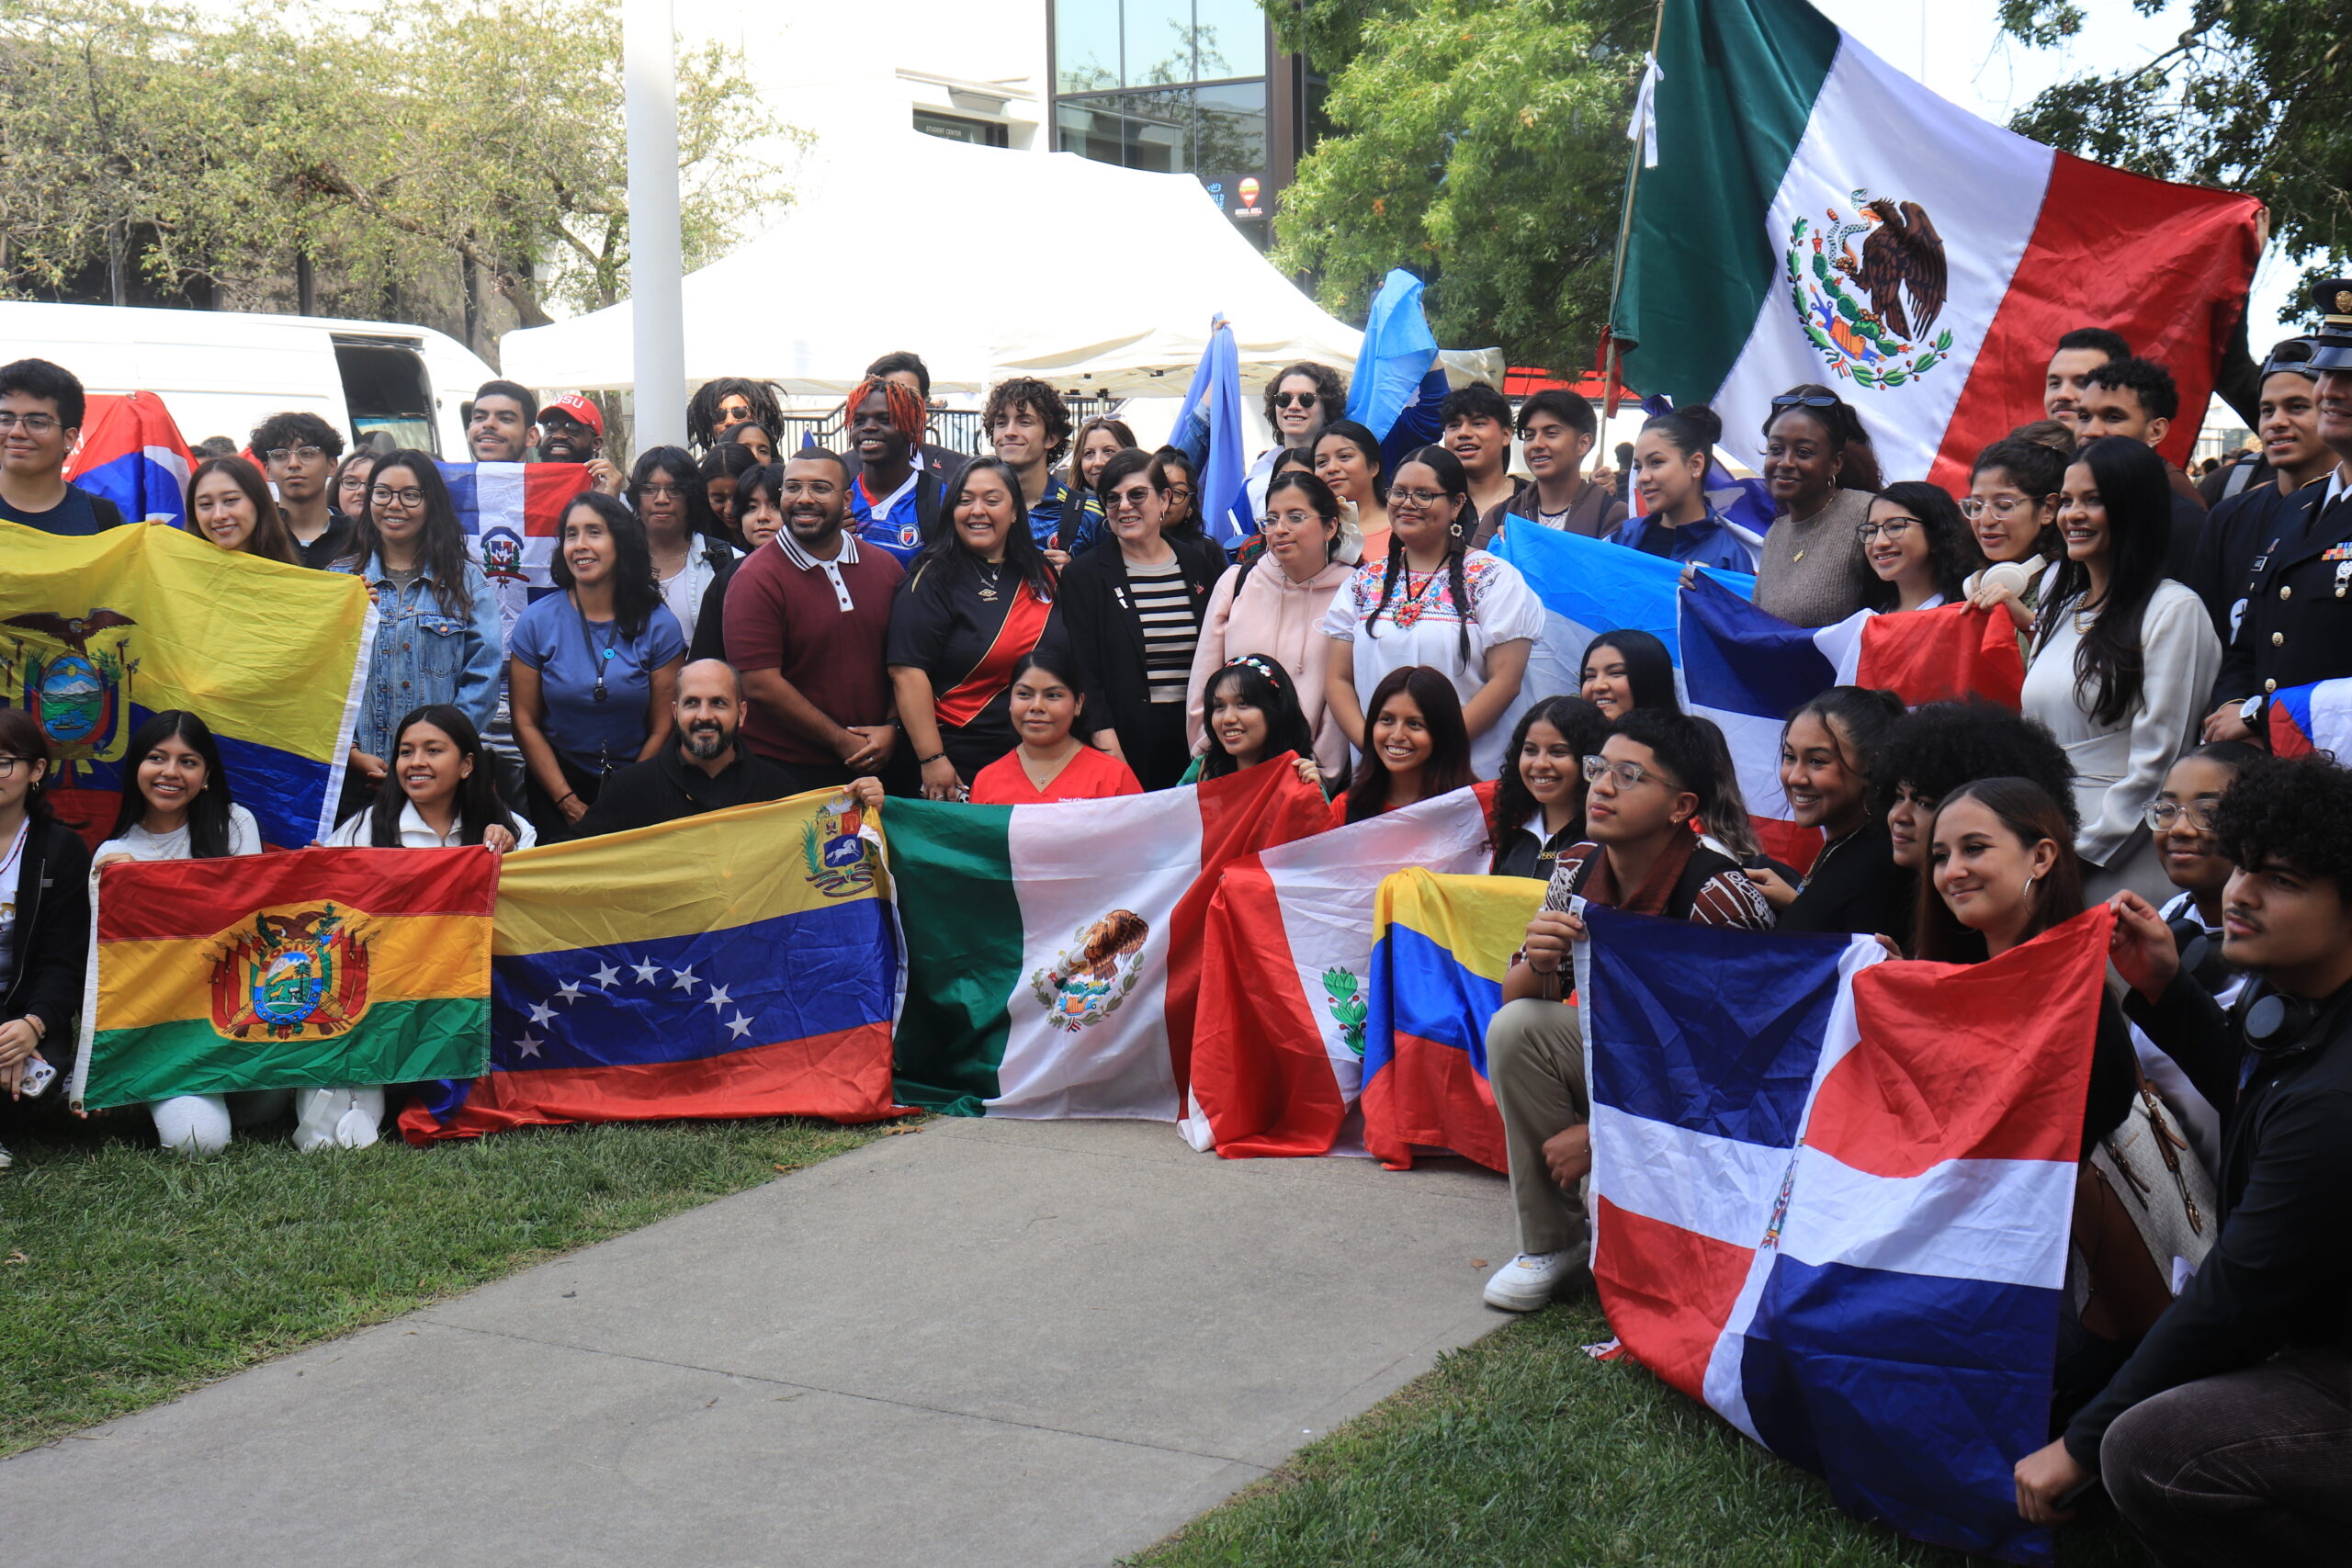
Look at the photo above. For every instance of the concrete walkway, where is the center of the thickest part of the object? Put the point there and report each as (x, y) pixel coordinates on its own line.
(989, 1342)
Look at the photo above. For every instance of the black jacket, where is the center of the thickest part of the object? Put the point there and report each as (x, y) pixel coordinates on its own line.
(51, 940)
(2280, 1273)
(664, 788)
(2297, 622)
(1855, 886)
(1107, 640)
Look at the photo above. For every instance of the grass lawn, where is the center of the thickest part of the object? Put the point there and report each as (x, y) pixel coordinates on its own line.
(128, 1275)
(1522, 1450)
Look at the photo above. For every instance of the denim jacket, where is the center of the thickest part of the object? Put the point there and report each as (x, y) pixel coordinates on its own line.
(425, 655)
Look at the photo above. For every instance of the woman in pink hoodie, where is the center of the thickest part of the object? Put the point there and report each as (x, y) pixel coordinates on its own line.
(1270, 607)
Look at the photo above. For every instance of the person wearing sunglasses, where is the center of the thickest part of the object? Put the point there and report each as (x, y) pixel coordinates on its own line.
(437, 629)
(1821, 473)
(298, 452)
(40, 424)
(593, 670)
(1301, 403)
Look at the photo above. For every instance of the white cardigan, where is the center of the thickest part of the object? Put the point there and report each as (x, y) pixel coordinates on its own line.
(2119, 769)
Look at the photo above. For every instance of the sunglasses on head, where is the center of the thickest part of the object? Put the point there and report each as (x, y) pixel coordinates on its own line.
(1806, 399)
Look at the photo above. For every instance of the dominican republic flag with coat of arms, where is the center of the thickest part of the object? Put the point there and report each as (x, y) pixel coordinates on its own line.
(1806, 212)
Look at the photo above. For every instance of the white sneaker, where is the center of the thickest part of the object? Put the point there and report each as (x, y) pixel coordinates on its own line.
(6, 1159)
(1530, 1281)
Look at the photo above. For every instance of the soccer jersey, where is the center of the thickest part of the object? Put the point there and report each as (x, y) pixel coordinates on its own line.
(892, 523)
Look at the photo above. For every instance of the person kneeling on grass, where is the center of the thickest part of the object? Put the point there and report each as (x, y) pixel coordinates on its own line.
(2227, 1436)
(1653, 774)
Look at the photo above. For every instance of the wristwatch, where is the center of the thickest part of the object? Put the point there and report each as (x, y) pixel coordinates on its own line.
(2250, 711)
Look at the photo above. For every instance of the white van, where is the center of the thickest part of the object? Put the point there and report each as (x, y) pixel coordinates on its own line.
(222, 372)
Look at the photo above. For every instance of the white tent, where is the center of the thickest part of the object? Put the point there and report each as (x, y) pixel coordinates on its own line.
(988, 264)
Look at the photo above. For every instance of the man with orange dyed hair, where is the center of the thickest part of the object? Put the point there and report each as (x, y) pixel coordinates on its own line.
(894, 500)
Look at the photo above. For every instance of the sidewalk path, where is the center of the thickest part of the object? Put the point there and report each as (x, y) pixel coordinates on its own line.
(1014, 1343)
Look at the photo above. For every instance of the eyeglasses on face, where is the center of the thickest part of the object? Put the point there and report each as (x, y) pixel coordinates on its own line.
(1133, 495)
(661, 492)
(1297, 517)
(8, 766)
(1626, 775)
(2162, 815)
(383, 497)
(2001, 506)
(31, 424)
(1892, 528)
(288, 454)
(1415, 498)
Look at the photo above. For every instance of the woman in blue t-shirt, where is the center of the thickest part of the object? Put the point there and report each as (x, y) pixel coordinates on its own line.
(593, 669)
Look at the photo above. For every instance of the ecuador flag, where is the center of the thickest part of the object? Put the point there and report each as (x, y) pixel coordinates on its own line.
(99, 632)
(736, 963)
(287, 971)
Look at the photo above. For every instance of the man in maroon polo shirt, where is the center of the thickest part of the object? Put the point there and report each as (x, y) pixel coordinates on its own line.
(808, 614)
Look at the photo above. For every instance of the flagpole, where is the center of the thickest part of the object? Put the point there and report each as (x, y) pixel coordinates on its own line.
(1625, 228)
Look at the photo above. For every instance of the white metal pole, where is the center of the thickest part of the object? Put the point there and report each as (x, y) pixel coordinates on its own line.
(648, 49)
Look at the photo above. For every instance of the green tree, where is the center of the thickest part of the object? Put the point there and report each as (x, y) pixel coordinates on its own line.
(382, 146)
(2253, 95)
(1480, 143)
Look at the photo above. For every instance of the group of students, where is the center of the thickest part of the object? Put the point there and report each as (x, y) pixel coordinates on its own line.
(899, 619)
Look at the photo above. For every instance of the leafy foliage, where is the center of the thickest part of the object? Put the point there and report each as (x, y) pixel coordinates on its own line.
(1480, 145)
(2254, 95)
(383, 143)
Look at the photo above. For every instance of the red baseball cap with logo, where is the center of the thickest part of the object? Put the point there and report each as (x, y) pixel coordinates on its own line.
(579, 409)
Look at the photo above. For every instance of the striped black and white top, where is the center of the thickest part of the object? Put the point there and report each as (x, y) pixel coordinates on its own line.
(1163, 604)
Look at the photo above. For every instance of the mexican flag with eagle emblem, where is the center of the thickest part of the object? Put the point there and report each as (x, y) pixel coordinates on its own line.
(1804, 212)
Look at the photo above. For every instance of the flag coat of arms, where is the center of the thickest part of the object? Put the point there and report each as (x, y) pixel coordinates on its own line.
(97, 634)
(1806, 212)
(735, 963)
(1831, 1197)
(1054, 952)
(287, 971)
(511, 514)
(1286, 976)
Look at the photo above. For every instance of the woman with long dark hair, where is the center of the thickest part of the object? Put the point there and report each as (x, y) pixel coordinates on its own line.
(448, 793)
(437, 631)
(1348, 458)
(2012, 510)
(1253, 716)
(978, 601)
(44, 917)
(1437, 603)
(1821, 473)
(1416, 746)
(757, 501)
(1676, 521)
(722, 468)
(1178, 480)
(1917, 547)
(1828, 752)
(1048, 762)
(229, 505)
(594, 668)
(1539, 801)
(1627, 669)
(2123, 659)
(667, 493)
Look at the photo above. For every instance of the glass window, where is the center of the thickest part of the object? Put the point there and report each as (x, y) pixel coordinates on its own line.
(1230, 39)
(1159, 41)
(955, 127)
(1086, 45)
(1231, 132)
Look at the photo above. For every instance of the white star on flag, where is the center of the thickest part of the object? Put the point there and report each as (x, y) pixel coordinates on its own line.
(542, 1013)
(738, 1027)
(529, 1045)
(649, 973)
(718, 996)
(684, 981)
(603, 979)
(569, 991)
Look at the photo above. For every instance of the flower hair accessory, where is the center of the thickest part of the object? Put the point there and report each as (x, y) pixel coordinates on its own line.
(1261, 665)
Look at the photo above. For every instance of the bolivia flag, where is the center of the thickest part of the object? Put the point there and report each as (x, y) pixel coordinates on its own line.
(735, 963)
(1054, 952)
(287, 971)
(511, 514)
(1748, 671)
(1286, 974)
(1811, 214)
(1832, 1195)
(1441, 947)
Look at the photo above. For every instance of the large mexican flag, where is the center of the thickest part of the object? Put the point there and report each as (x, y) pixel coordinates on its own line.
(1815, 215)
(1053, 951)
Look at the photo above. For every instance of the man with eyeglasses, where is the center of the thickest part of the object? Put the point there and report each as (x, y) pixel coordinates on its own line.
(298, 451)
(1652, 776)
(40, 423)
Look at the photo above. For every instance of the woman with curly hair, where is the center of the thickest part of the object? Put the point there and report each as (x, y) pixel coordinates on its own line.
(1937, 747)
(1916, 547)
(1539, 801)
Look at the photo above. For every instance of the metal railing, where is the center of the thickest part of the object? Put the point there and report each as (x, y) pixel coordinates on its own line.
(957, 429)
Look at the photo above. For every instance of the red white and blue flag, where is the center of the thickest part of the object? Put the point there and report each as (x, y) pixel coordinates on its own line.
(511, 514)
(2304, 719)
(134, 455)
(1832, 1193)
(1747, 671)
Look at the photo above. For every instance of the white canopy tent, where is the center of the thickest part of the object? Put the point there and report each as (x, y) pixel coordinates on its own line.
(977, 259)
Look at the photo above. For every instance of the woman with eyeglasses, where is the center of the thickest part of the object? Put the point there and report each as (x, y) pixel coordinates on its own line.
(229, 505)
(1917, 548)
(1133, 609)
(2012, 510)
(1676, 521)
(437, 633)
(1348, 458)
(594, 668)
(1180, 519)
(350, 491)
(666, 491)
(1821, 473)
(2181, 817)
(1272, 607)
(2123, 659)
(1435, 602)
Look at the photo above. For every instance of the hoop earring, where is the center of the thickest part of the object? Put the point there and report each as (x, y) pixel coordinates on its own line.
(2028, 886)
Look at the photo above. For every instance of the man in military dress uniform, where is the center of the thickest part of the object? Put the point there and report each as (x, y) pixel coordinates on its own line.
(2297, 622)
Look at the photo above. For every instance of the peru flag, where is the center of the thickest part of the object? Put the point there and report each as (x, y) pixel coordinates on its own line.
(1809, 213)
(132, 454)
(1831, 1196)
(511, 514)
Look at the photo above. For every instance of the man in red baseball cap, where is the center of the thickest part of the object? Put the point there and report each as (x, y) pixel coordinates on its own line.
(572, 430)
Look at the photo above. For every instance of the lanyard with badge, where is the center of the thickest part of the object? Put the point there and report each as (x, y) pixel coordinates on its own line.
(602, 655)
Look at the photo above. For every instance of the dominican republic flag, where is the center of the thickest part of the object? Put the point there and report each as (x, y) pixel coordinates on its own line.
(1831, 1194)
(132, 454)
(2304, 719)
(1590, 586)
(1285, 975)
(1807, 212)
(511, 514)
(1747, 671)
(1208, 427)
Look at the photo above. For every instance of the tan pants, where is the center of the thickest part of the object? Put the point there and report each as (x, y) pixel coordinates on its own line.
(1535, 1064)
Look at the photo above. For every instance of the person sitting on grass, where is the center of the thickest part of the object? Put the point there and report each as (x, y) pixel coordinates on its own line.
(1416, 746)
(448, 793)
(1254, 715)
(1539, 801)
(1651, 777)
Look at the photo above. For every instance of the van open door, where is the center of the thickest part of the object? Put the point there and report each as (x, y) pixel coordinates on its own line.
(387, 392)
